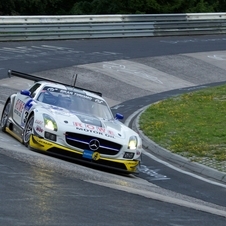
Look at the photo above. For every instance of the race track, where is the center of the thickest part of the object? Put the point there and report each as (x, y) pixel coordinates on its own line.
(41, 190)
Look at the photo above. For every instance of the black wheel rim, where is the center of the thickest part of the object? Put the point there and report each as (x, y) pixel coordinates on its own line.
(28, 129)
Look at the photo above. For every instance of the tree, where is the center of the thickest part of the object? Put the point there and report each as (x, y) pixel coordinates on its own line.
(97, 7)
(87, 7)
(198, 6)
(43, 7)
(7, 7)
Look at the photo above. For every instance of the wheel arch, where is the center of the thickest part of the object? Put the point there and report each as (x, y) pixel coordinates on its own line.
(11, 99)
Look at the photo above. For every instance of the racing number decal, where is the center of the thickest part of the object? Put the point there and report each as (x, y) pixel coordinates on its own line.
(25, 116)
(26, 109)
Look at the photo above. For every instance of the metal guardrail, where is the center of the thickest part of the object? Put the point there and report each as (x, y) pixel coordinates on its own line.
(19, 28)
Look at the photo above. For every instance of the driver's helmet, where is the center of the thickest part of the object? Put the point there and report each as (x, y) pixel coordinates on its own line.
(64, 101)
(48, 98)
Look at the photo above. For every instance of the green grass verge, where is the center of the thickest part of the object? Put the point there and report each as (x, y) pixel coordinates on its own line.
(192, 125)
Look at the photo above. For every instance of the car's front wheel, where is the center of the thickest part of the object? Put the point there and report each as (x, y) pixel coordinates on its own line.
(28, 130)
(5, 115)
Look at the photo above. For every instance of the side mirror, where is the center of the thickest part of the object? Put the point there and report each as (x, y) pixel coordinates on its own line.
(25, 93)
(119, 116)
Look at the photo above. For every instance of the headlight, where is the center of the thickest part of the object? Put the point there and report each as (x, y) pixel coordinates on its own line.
(132, 143)
(49, 122)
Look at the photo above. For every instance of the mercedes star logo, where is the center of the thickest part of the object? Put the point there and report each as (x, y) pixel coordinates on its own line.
(94, 144)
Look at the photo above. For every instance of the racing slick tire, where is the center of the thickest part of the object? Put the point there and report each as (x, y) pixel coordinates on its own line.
(28, 130)
(5, 115)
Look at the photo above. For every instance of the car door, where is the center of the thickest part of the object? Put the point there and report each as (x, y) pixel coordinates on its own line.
(23, 104)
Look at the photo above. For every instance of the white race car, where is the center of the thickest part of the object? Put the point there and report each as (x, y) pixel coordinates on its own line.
(70, 122)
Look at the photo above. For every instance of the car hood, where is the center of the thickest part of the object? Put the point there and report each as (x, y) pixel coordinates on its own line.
(88, 124)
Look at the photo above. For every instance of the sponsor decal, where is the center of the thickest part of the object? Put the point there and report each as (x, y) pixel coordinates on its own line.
(39, 122)
(62, 113)
(39, 129)
(96, 156)
(99, 101)
(87, 154)
(68, 92)
(19, 106)
(72, 93)
(51, 89)
(91, 155)
(93, 129)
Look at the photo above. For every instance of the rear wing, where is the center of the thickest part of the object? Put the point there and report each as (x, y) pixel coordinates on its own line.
(37, 79)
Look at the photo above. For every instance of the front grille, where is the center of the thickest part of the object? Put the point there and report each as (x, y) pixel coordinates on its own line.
(82, 141)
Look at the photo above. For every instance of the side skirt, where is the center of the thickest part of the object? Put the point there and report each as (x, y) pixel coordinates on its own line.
(14, 131)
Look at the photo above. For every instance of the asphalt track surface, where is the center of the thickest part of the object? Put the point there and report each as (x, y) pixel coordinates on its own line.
(39, 190)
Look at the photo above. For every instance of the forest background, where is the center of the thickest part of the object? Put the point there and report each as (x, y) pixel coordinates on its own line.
(94, 7)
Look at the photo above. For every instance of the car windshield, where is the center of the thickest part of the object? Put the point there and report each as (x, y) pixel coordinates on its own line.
(75, 101)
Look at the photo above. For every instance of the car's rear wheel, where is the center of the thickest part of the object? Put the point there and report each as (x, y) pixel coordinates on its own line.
(5, 115)
(28, 130)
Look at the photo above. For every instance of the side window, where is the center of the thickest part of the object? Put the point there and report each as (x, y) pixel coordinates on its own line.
(33, 89)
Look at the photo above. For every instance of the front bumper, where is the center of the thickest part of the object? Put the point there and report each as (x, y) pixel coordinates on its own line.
(127, 166)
